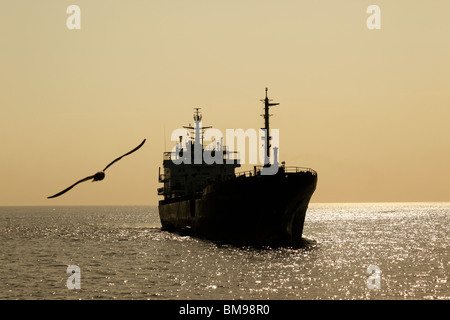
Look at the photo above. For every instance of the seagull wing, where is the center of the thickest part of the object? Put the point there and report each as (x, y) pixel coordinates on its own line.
(125, 154)
(65, 190)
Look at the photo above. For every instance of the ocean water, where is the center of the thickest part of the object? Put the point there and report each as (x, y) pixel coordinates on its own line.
(122, 253)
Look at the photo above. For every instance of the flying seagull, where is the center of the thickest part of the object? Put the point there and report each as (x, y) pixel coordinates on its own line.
(99, 175)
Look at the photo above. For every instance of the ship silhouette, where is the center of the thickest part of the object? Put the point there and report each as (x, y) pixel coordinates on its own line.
(259, 207)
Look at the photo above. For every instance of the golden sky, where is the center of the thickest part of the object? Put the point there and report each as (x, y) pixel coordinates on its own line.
(369, 110)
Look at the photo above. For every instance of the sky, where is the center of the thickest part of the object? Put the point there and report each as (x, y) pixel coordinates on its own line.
(368, 109)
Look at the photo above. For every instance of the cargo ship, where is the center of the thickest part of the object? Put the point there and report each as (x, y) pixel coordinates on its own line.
(265, 206)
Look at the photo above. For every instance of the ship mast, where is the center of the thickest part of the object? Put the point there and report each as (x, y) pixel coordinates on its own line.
(197, 128)
(266, 116)
(198, 135)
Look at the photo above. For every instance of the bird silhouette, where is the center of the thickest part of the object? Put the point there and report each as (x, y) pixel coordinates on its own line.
(99, 175)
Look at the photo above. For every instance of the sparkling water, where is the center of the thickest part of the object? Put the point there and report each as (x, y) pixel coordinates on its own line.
(357, 251)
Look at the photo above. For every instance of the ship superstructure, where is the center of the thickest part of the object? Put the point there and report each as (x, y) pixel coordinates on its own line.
(205, 197)
(185, 171)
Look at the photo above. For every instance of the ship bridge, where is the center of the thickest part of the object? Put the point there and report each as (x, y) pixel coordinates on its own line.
(190, 167)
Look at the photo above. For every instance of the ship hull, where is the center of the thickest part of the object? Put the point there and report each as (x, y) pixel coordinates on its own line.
(257, 210)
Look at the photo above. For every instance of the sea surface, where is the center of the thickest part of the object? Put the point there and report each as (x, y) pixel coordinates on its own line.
(121, 253)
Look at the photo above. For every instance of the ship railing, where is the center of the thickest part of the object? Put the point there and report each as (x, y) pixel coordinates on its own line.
(282, 169)
(227, 154)
(291, 169)
(248, 173)
(256, 172)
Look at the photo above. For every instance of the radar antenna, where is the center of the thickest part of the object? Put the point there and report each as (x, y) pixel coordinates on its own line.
(266, 116)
